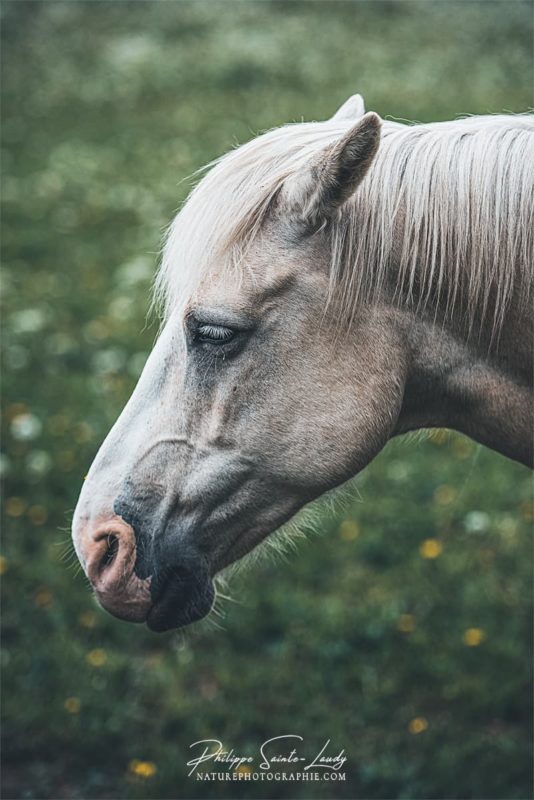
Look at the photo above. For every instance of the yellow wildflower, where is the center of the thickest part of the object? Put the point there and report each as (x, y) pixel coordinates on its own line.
(462, 447)
(96, 658)
(431, 548)
(142, 769)
(417, 725)
(87, 619)
(15, 507)
(444, 495)
(406, 623)
(473, 637)
(72, 705)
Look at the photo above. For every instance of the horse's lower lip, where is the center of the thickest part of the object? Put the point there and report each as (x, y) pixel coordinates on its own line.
(180, 603)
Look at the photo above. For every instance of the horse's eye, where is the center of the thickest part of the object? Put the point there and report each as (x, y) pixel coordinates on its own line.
(215, 334)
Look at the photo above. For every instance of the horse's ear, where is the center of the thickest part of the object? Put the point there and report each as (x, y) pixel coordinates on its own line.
(353, 108)
(314, 193)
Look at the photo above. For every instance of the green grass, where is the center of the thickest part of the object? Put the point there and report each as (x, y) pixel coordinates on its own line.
(107, 106)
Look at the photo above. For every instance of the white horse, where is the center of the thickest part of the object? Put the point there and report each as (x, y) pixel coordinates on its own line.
(327, 286)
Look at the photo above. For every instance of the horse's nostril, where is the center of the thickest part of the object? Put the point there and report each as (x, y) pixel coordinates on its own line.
(111, 551)
(110, 555)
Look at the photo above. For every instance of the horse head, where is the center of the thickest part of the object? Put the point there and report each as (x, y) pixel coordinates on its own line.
(265, 387)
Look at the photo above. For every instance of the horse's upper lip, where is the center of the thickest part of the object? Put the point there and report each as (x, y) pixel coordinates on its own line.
(180, 601)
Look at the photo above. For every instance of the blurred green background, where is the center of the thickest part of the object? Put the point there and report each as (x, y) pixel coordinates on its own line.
(403, 632)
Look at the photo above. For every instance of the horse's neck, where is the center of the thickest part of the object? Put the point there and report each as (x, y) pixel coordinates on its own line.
(451, 257)
(471, 351)
(460, 382)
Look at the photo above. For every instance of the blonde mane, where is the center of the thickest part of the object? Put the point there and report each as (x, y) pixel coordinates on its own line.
(449, 205)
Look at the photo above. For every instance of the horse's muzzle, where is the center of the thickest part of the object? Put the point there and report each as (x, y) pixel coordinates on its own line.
(173, 596)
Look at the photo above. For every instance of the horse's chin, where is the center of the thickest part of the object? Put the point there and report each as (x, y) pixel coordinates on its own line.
(241, 548)
(179, 604)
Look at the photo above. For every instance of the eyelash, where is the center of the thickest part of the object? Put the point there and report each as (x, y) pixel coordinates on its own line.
(214, 334)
